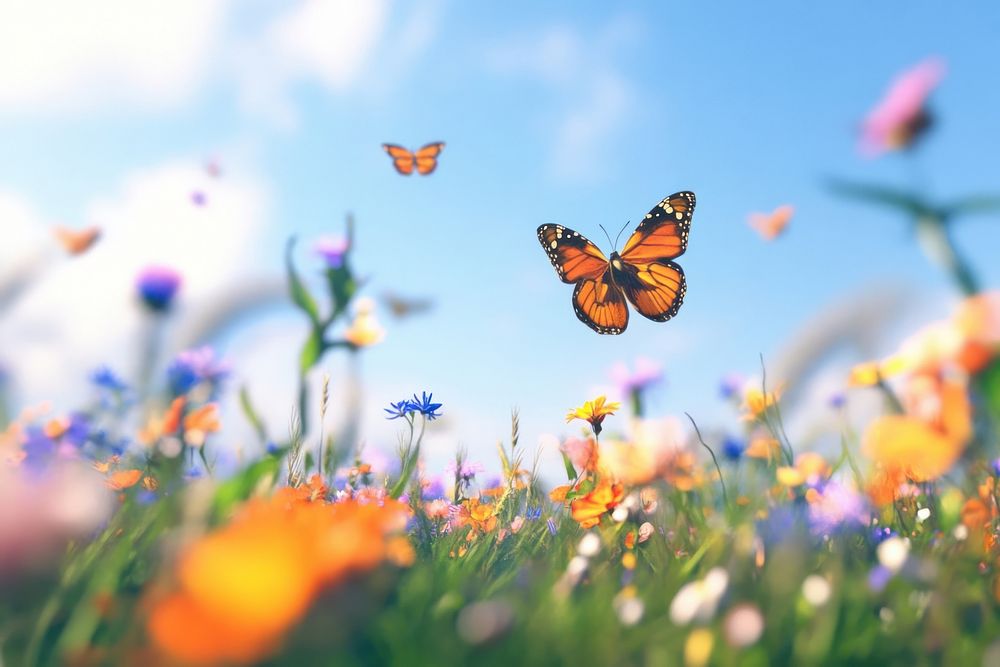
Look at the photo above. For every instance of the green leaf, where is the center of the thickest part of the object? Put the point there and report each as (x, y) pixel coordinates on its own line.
(342, 286)
(975, 205)
(241, 486)
(297, 289)
(901, 200)
(988, 381)
(311, 351)
(570, 470)
(251, 414)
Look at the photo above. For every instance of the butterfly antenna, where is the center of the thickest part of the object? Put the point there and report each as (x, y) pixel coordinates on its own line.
(620, 234)
(605, 232)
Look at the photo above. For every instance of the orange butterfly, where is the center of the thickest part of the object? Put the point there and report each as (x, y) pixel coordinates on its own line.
(643, 272)
(424, 160)
(77, 242)
(771, 225)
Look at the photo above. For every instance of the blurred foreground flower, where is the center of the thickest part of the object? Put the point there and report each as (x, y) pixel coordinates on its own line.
(594, 412)
(604, 497)
(157, 287)
(43, 510)
(241, 587)
(923, 444)
(77, 241)
(771, 225)
(902, 115)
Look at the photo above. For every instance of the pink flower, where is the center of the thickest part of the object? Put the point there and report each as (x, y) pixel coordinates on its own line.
(901, 115)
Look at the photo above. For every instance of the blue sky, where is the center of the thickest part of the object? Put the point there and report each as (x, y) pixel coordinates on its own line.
(579, 114)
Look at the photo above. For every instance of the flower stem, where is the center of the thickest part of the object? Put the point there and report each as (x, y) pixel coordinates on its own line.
(935, 239)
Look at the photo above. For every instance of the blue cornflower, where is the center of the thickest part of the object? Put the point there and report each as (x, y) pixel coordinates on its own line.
(424, 406)
(157, 287)
(193, 366)
(732, 448)
(533, 513)
(105, 378)
(996, 466)
(552, 526)
(400, 409)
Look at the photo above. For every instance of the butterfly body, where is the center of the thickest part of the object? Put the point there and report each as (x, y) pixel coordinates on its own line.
(643, 273)
(423, 160)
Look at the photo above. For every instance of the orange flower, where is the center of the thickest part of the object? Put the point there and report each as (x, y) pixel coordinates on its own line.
(242, 586)
(593, 412)
(604, 497)
(123, 479)
(763, 447)
(478, 515)
(199, 423)
(558, 494)
(925, 445)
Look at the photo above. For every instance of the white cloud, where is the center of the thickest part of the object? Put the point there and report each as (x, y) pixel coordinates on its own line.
(594, 95)
(580, 139)
(328, 40)
(63, 56)
(81, 311)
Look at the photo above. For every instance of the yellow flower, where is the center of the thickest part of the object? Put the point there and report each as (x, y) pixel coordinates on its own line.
(594, 412)
(365, 330)
(756, 402)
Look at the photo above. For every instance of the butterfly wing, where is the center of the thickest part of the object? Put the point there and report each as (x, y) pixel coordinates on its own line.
(600, 304)
(663, 234)
(653, 283)
(402, 159)
(426, 157)
(771, 225)
(572, 255)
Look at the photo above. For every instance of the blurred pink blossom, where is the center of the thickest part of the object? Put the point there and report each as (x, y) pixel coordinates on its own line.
(901, 115)
(43, 510)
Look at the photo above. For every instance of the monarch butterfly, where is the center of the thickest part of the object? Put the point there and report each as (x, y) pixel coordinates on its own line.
(424, 159)
(643, 272)
(771, 225)
(77, 242)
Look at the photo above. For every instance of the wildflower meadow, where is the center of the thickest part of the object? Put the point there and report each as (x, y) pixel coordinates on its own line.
(313, 350)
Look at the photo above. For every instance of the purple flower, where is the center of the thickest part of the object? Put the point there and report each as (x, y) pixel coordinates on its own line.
(838, 507)
(157, 287)
(433, 489)
(331, 250)
(191, 367)
(647, 372)
(731, 386)
(878, 578)
(198, 198)
(467, 472)
(837, 400)
(552, 526)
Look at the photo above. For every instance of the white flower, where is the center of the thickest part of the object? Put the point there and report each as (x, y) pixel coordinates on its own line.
(589, 546)
(816, 590)
(893, 552)
(699, 599)
(620, 514)
(743, 625)
(923, 514)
